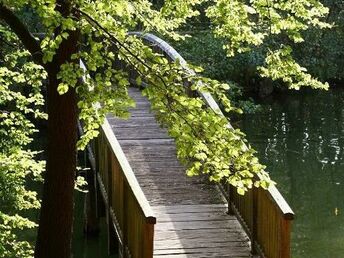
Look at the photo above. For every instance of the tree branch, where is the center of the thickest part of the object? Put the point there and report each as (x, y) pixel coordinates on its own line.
(21, 30)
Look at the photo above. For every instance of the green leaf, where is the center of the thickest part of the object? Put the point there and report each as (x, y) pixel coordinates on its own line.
(62, 88)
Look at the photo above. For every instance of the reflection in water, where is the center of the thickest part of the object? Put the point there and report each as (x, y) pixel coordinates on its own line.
(301, 139)
(92, 247)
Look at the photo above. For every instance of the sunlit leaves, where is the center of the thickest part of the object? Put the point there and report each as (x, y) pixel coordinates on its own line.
(10, 246)
(269, 25)
(281, 66)
(20, 99)
(205, 143)
(227, 15)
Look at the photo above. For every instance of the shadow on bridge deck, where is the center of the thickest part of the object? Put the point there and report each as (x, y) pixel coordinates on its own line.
(191, 212)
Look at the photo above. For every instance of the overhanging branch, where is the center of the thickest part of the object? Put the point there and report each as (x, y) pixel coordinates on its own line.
(21, 30)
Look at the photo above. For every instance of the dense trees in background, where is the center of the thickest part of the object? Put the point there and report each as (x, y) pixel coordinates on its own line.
(321, 53)
(96, 32)
(323, 50)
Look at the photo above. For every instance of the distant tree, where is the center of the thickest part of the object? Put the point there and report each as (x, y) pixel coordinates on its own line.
(96, 32)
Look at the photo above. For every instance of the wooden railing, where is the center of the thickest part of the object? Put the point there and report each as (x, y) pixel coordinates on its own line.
(128, 208)
(264, 214)
(266, 217)
(129, 216)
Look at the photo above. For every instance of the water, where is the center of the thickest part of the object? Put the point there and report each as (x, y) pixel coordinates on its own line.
(83, 246)
(300, 137)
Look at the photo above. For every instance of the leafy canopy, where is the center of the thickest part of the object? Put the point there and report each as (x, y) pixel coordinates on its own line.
(274, 25)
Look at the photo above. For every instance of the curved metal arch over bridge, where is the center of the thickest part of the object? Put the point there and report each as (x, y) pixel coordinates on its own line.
(154, 210)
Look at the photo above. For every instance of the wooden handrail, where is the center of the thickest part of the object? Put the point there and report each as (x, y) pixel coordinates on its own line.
(128, 212)
(282, 204)
(264, 213)
(128, 173)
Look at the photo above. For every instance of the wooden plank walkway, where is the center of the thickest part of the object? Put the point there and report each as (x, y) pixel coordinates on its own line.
(191, 213)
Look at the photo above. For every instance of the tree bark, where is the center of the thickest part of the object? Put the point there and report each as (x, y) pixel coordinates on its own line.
(56, 219)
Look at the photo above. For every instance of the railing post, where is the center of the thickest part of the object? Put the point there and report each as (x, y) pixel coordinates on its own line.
(113, 243)
(96, 152)
(91, 224)
(100, 209)
(125, 221)
(254, 232)
(285, 228)
(148, 240)
(230, 199)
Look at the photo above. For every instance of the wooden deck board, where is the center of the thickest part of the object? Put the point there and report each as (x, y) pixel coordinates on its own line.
(191, 213)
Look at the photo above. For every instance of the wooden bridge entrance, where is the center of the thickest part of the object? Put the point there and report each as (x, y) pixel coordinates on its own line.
(154, 210)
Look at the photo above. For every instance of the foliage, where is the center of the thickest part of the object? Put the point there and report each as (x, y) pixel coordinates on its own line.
(20, 83)
(204, 141)
(322, 51)
(32, 21)
(289, 70)
(260, 24)
(203, 49)
(237, 97)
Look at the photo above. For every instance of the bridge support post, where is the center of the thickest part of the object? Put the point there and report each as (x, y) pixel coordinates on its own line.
(230, 199)
(91, 221)
(112, 241)
(91, 224)
(254, 235)
(100, 206)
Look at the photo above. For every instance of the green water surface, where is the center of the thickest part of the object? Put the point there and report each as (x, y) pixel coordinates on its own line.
(300, 137)
(83, 246)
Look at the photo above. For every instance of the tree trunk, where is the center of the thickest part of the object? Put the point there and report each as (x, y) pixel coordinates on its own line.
(56, 219)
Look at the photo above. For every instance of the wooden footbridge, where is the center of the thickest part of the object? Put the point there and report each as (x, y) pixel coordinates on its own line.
(154, 210)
